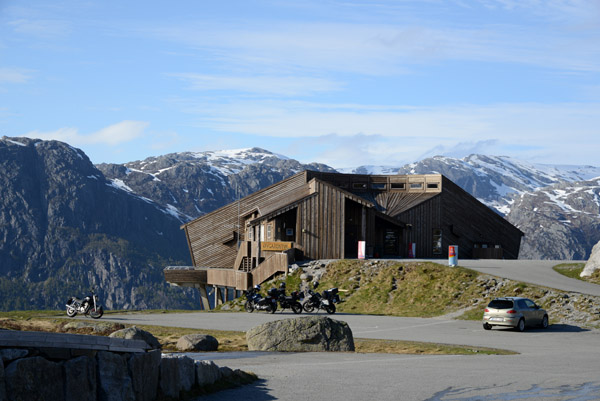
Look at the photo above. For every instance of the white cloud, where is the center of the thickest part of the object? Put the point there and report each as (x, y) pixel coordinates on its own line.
(391, 133)
(269, 85)
(391, 46)
(113, 135)
(41, 28)
(14, 75)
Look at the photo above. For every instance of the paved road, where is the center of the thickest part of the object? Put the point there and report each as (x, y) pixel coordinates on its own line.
(560, 363)
(538, 272)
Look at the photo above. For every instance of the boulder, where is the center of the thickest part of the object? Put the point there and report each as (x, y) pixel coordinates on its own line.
(593, 262)
(304, 334)
(114, 382)
(80, 379)
(34, 378)
(145, 368)
(133, 333)
(177, 373)
(197, 342)
(207, 372)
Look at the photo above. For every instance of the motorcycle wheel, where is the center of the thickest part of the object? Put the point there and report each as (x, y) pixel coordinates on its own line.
(330, 309)
(71, 312)
(308, 308)
(249, 307)
(96, 313)
(272, 308)
(297, 308)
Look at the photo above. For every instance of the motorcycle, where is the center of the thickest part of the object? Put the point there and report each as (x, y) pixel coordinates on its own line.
(292, 302)
(255, 301)
(326, 300)
(89, 305)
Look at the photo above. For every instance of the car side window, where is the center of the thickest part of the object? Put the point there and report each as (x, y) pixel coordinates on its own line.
(530, 303)
(522, 304)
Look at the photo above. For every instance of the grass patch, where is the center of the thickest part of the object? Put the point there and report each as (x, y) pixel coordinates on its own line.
(364, 345)
(573, 270)
(415, 289)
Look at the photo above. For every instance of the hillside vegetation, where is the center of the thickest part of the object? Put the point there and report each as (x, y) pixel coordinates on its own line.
(427, 289)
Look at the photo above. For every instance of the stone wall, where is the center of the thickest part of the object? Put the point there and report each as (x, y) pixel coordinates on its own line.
(33, 374)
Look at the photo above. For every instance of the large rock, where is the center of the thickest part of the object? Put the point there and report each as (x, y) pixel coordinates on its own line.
(145, 368)
(593, 262)
(207, 372)
(114, 382)
(34, 379)
(80, 379)
(177, 373)
(197, 342)
(134, 333)
(304, 334)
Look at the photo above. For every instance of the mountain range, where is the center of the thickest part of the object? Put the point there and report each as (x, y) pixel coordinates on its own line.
(68, 224)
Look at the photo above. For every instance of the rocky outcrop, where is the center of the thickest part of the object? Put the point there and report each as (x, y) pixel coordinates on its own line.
(135, 333)
(593, 263)
(304, 334)
(197, 342)
(560, 222)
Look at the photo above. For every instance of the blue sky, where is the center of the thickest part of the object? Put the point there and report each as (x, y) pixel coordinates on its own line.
(345, 83)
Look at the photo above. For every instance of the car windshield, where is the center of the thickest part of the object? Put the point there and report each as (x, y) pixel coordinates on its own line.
(501, 304)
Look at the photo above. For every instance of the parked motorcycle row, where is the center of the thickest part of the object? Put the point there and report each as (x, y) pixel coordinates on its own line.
(276, 296)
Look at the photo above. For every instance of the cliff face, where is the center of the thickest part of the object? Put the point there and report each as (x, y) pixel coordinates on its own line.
(561, 221)
(65, 227)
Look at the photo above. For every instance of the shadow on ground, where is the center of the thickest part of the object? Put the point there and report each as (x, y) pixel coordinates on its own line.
(257, 391)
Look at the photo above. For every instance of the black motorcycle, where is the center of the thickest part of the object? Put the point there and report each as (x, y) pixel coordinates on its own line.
(292, 302)
(255, 301)
(326, 300)
(89, 306)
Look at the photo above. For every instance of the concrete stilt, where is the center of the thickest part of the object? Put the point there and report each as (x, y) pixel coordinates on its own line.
(204, 297)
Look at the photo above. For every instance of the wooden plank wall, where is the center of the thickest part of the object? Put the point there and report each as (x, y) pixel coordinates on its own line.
(206, 234)
(424, 218)
(321, 223)
(474, 222)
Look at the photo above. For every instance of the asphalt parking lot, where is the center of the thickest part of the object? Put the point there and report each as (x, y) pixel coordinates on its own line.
(559, 363)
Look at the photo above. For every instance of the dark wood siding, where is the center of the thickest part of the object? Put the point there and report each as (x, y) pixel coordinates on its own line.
(212, 238)
(423, 218)
(468, 222)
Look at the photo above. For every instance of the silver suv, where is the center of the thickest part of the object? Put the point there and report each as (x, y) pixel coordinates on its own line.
(514, 312)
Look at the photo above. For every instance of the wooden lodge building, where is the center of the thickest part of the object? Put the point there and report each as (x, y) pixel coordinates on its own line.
(319, 215)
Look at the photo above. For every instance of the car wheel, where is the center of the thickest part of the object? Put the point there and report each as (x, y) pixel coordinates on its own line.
(487, 326)
(521, 325)
(545, 322)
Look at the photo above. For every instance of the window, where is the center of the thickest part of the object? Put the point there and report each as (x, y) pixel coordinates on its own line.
(269, 232)
(359, 185)
(398, 185)
(432, 186)
(378, 185)
(416, 185)
(437, 241)
(501, 304)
